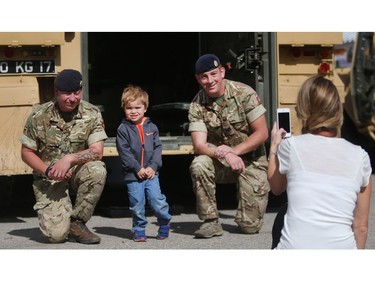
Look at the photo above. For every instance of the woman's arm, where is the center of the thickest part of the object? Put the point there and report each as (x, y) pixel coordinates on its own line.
(276, 180)
(361, 215)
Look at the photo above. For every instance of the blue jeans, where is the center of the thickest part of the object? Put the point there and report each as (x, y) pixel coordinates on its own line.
(137, 192)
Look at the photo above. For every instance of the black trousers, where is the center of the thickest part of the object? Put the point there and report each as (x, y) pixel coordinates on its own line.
(278, 225)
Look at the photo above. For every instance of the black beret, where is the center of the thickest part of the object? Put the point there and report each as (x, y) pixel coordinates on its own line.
(206, 62)
(68, 80)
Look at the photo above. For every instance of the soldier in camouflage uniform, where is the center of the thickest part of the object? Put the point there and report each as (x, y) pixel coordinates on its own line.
(228, 129)
(63, 143)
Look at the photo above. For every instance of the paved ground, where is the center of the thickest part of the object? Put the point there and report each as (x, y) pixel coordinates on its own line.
(117, 256)
(22, 232)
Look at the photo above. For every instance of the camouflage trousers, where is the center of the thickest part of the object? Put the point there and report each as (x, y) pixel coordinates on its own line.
(252, 190)
(53, 202)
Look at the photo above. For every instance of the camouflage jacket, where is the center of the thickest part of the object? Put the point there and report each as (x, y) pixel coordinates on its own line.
(51, 137)
(228, 123)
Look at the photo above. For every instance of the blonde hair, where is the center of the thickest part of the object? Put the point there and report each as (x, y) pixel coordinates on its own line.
(319, 106)
(132, 93)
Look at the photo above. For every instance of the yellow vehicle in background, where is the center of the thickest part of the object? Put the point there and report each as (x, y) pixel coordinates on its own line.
(273, 63)
(29, 63)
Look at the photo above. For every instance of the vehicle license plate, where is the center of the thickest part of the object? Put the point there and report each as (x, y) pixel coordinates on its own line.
(27, 66)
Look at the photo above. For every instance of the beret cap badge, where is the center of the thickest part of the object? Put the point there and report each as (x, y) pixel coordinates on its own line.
(68, 80)
(206, 62)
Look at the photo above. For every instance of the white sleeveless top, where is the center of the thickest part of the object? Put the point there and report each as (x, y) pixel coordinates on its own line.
(324, 178)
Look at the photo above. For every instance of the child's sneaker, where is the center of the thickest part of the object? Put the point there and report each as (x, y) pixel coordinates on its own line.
(163, 231)
(139, 236)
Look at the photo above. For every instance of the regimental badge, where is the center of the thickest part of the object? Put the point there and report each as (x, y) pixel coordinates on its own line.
(216, 64)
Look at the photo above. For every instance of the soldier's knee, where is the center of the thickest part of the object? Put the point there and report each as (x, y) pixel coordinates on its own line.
(98, 166)
(57, 235)
(57, 239)
(250, 230)
(96, 170)
(253, 228)
(200, 164)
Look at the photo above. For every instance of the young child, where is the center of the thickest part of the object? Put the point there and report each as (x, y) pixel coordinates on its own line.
(140, 150)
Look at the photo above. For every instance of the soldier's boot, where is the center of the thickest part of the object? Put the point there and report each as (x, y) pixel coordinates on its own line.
(209, 228)
(81, 234)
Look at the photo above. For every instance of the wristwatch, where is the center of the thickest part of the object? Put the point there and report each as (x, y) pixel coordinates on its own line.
(49, 168)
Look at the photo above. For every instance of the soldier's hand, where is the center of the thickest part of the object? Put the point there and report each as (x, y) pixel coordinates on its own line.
(222, 150)
(235, 162)
(60, 170)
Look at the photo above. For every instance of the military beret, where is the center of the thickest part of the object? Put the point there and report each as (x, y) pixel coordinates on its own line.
(68, 80)
(206, 62)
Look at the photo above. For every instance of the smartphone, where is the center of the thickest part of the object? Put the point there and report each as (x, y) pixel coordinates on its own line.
(283, 121)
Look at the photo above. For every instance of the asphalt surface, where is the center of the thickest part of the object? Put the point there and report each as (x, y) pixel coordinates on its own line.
(26, 255)
(22, 232)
